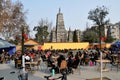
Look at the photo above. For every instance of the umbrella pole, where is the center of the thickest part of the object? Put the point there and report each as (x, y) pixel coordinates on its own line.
(23, 62)
(23, 57)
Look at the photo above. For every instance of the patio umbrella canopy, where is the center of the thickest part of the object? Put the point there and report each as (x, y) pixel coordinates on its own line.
(10, 48)
(117, 44)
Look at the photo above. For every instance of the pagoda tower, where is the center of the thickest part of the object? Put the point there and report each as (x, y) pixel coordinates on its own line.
(60, 28)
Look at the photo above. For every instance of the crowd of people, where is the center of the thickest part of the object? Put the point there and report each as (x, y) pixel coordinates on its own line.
(60, 60)
(73, 58)
(4, 57)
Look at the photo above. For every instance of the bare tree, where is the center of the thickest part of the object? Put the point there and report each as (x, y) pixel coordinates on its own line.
(1, 14)
(11, 19)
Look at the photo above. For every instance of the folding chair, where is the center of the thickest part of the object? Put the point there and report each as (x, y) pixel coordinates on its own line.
(19, 63)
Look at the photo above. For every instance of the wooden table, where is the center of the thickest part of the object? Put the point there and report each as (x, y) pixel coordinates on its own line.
(105, 62)
(31, 65)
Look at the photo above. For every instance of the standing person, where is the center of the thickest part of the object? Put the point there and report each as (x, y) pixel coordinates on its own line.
(96, 55)
(70, 64)
(92, 58)
(3, 56)
(82, 59)
(76, 61)
(59, 60)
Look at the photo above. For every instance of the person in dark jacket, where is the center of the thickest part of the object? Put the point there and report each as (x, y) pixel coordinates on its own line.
(70, 63)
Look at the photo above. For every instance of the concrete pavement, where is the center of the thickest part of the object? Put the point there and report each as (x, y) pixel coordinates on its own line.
(82, 73)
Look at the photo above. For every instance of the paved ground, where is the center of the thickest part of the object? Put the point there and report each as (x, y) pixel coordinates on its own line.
(83, 73)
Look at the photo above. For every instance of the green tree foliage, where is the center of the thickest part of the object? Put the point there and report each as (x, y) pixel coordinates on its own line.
(75, 37)
(109, 39)
(90, 36)
(42, 31)
(98, 16)
(39, 34)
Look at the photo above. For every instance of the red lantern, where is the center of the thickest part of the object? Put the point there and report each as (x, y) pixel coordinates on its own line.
(103, 38)
(39, 47)
(25, 36)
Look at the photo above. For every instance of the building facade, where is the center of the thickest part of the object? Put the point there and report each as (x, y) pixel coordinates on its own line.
(114, 31)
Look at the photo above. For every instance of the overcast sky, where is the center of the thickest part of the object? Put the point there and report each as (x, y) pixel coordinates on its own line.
(75, 12)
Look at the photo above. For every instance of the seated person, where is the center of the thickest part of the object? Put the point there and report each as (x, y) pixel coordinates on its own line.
(63, 65)
(27, 58)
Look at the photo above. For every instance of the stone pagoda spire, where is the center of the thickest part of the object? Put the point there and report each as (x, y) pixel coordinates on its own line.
(59, 10)
(60, 28)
